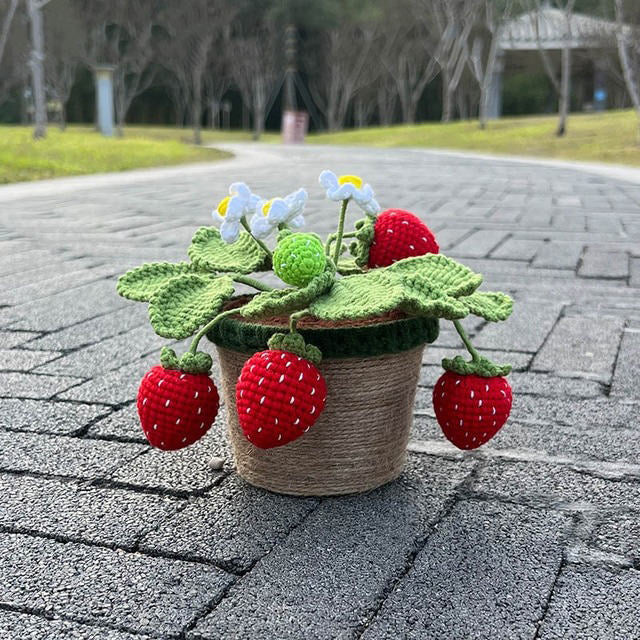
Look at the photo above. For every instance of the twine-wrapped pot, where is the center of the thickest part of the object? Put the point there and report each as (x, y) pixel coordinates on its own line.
(359, 442)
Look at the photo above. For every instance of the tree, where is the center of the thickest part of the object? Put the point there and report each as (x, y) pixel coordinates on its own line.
(450, 23)
(561, 81)
(37, 66)
(14, 66)
(8, 12)
(344, 51)
(132, 54)
(627, 37)
(190, 30)
(494, 17)
(256, 69)
(63, 52)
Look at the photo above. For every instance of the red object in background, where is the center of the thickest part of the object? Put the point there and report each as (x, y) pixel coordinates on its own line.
(295, 125)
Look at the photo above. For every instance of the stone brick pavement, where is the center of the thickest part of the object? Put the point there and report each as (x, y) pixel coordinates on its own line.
(535, 536)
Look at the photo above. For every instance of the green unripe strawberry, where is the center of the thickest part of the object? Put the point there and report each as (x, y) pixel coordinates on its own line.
(298, 258)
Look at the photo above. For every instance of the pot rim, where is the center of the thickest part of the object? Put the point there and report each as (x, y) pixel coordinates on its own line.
(391, 333)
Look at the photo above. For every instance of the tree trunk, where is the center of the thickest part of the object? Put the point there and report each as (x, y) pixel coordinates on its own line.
(63, 116)
(630, 77)
(565, 83)
(37, 69)
(196, 116)
(447, 97)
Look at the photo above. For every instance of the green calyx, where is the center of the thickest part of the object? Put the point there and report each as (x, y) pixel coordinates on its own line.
(294, 343)
(195, 363)
(298, 258)
(364, 233)
(480, 366)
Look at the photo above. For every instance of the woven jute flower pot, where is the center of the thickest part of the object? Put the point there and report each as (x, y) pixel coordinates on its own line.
(359, 442)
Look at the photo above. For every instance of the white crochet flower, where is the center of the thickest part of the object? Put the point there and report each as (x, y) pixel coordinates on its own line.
(270, 213)
(230, 210)
(349, 187)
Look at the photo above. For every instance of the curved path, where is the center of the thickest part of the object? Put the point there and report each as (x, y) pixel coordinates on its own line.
(535, 536)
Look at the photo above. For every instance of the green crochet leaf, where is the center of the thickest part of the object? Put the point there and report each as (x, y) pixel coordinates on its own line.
(449, 276)
(492, 306)
(348, 267)
(285, 301)
(143, 281)
(180, 307)
(209, 251)
(358, 296)
(427, 285)
(378, 292)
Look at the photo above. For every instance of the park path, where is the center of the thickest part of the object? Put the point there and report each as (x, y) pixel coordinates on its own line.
(535, 536)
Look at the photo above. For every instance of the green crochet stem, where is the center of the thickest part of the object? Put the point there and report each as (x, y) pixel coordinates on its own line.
(340, 232)
(331, 238)
(467, 343)
(251, 282)
(207, 327)
(478, 365)
(264, 247)
(294, 317)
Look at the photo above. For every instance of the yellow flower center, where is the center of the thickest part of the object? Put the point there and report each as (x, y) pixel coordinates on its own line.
(266, 206)
(354, 180)
(222, 206)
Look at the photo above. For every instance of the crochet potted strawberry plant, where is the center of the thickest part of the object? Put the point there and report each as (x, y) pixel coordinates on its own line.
(318, 376)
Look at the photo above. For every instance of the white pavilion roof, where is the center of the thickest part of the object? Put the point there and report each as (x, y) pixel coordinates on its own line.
(548, 29)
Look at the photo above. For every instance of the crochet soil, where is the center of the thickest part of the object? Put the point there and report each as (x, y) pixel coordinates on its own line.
(538, 529)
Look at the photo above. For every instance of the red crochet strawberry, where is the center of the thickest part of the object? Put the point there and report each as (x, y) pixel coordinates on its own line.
(399, 234)
(471, 409)
(177, 406)
(279, 396)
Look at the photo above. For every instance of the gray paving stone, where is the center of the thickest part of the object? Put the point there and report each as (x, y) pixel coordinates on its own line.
(620, 534)
(328, 575)
(545, 441)
(30, 385)
(558, 255)
(186, 470)
(591, 602)
(626, 376)
(603, 264)
(56, 283)
(485, 573)
(479, 244)
(449, 236)
(63, 456)
(634, 270)
(111, 353)
(26, 626)
(95, 330)
(233, 525)
(582, 347)
(65, 308)
(60, 418)
(526, 329)
(115, 387)
(67, 510)
(122, 424)
(607, 413)
(23, 360)
(516, 249)
(547, 484)
(10, 339)
(135, 592)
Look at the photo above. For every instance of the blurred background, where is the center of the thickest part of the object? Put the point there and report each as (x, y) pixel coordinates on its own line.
(528, 77)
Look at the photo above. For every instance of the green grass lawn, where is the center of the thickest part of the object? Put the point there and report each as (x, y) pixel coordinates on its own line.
(597, 137)
(80, 150)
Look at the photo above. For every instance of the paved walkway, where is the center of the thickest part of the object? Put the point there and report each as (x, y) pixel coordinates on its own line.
(535, 536)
